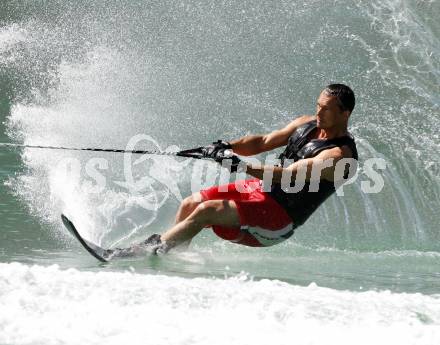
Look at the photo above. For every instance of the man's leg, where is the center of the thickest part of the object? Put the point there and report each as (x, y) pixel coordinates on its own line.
(187, 206)
(209, 212)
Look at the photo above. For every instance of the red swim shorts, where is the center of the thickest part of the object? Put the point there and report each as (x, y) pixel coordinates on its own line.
(263, 221)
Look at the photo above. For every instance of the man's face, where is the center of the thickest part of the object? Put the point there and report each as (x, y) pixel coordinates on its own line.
(328, 112)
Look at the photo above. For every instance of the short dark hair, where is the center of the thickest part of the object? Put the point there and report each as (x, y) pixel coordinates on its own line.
(344, 94)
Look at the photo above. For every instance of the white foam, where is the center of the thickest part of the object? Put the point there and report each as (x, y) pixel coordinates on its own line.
(47, 305)
(9, 37)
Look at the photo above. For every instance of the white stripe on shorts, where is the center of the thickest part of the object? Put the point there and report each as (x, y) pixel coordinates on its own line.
(269, 237)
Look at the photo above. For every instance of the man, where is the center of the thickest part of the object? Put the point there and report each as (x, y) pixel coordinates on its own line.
(243, 212)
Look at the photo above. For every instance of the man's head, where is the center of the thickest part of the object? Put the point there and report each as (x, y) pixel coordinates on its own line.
(334, 106)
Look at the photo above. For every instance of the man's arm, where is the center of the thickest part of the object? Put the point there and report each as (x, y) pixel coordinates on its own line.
(320, 167)
(255, 144)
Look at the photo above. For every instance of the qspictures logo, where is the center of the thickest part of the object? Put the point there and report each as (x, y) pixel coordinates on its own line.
(156, 172)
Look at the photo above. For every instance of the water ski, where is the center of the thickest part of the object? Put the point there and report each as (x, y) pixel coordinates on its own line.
(151, 245)
(98, 252)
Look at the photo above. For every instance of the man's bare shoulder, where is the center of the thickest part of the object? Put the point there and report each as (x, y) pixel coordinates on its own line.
(298, 122)
(301, 120)
(336, 153)
(280, 137)
(333, 156)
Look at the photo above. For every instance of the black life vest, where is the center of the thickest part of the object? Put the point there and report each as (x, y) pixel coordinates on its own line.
(302, 204)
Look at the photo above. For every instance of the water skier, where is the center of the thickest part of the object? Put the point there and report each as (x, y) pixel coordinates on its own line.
(242, 212)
